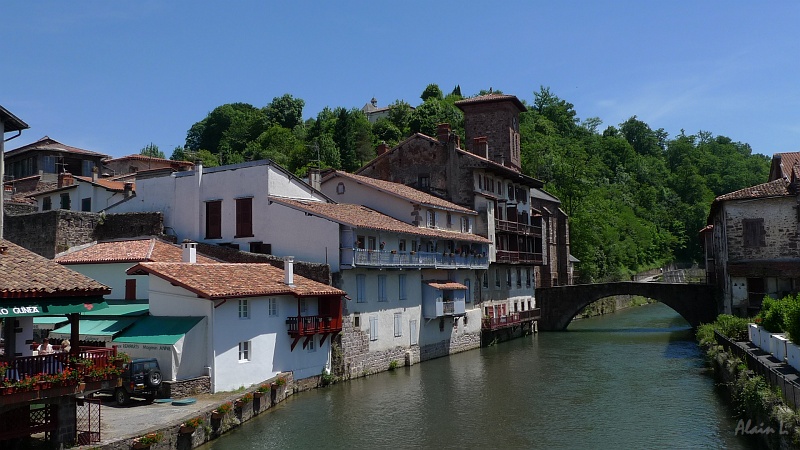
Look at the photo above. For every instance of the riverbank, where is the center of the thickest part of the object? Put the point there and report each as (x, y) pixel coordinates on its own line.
(613, 304)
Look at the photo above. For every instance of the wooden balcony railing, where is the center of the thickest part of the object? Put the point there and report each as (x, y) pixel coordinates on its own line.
(510, 320)
(310, 325)
(515, 257)
(19, 367)
(510, 226)
(386, 258)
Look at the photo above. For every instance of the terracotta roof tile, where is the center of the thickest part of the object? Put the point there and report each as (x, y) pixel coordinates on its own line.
(46, 143)
(362, 217)
(24, 274)
(776, 188)
(233, 280)
(149, 158)
(403, 191)
(448, 285)
(491, 98)
(111, 185)
(788, 161)
(130, 250)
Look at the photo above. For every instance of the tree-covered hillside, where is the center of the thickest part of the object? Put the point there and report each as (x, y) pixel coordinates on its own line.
(636, 197)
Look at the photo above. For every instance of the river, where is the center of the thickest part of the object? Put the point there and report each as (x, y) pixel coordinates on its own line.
(633, 379)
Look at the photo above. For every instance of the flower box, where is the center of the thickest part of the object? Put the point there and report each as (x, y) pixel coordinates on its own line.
(186, 429)
(780, 347)
(753, 331)
(793, 355)
(765, 337)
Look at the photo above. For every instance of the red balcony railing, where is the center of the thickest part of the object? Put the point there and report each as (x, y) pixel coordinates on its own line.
(512, 319)
(310, 325)
(19, 367)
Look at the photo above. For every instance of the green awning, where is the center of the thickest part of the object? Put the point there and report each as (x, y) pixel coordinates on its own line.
(135, 309)
(95, 330)
(49, 306)
(158, 330)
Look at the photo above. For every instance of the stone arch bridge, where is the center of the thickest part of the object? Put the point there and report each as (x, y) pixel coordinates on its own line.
(559, 305)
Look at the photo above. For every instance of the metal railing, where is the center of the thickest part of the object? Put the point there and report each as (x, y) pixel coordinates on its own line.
(391, 258)
(512, 319)
(309, 325)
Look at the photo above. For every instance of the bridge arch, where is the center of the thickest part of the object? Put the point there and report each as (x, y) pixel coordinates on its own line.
(559, 305)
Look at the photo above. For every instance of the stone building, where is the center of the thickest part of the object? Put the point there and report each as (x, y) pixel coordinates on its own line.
(138, 163)
(49, 157)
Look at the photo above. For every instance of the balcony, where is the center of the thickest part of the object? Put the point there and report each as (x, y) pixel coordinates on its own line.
(443, 309)
(37, 377)
(509, 226)
(510, 320)
(308, 326)
(394, 259)
(515, 257)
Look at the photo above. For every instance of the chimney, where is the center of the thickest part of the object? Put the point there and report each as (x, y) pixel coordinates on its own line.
(198, 170)
(480, 146)
(288, 270)
(382, 148)
(128, 189)
(314, 178)
(65, 179)
(189, 252)
(443, 132)
(95, 171)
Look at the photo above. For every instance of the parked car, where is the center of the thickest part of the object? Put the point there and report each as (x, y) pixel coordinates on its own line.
(140, 378)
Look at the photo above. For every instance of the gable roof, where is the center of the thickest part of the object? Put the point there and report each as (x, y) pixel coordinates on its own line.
(24, 274)
(491, 98)
(359, 216)
(137, 157)
(109, 185)
(233, 280)
(783, 165)
(775, 188)
(126, 250)
(46, 143)
(401, 191)
(11, 122)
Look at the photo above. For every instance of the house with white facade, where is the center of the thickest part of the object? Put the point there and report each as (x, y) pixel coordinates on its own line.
(107, 262)
(76, 193)
(259, 320)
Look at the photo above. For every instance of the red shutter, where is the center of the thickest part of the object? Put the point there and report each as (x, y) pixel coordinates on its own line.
(214, 220)
(244, 217)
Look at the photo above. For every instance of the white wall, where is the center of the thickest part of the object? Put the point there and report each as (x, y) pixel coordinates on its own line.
(291, 232)
(101, 197)
(113, 275)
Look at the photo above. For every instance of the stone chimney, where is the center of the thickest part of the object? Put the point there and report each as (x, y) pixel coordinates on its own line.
(65, 179)
(189, 252)
(128, 189)
(480, 146)
(382, 148)
(95, 172)
(288, 270)
(443, 132)
(314, 178)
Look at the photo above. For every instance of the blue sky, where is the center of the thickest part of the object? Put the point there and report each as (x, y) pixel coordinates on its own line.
(114, 76)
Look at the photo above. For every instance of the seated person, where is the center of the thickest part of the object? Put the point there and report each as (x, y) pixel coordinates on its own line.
(45, 348)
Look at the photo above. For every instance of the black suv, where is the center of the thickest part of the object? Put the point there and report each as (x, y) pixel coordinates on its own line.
(140, 378)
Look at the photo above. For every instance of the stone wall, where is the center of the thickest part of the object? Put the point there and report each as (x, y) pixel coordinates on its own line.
(51, 232)
(456, 344)
(16, 209)
(186, 388)
(313, 271)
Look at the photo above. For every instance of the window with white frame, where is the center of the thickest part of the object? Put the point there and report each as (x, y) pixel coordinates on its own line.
(244, 351)
(312, 344)
(412, 330)
(398, 324)
(361, 292)
(382, 288)
(373, 328)
(449, 220)
(244, 312)
(273, 307)
(401, 286)
(431, 219)
(401, 245)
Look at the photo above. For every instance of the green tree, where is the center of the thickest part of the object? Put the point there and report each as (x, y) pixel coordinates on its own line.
(152, 151)
(432, 91)
(285, 111)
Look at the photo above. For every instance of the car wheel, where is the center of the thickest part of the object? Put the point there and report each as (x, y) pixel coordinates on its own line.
(122, 396)
(154, 378)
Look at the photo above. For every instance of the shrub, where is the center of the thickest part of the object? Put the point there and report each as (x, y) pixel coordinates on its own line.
(195, 422)
(264, 389)
(772, 314)
(150, 439)
(393, 364)
(735, 328)
(791, 318)
(225, 408)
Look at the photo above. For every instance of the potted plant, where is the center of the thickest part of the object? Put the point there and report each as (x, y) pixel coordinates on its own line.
(120, 359)
(243, 400)
(190, 425)
(147, 440)
(261, 391)
(221, 410)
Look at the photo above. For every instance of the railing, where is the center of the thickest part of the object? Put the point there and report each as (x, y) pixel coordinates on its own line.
(451, 308)
(309, 325)
(511, 256)
(517, 227)
(387, 258)
(18, 368)
(509, 320)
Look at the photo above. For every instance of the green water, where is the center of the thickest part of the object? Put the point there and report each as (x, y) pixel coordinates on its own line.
(634, 379)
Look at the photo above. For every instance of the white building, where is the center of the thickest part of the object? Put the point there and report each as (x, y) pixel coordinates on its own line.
(260, 320)
(75, 193)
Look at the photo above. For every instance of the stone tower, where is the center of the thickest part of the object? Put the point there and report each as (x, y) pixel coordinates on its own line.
(496, 118)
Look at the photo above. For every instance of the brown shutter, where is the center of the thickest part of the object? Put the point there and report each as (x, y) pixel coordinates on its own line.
(214, 220)
(130, 289)
(244, 217)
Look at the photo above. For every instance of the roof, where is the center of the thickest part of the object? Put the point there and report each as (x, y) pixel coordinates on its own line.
(402, 191)
(127, 250)
(121, 310)
(491, 98)
(233, 280)
(541, 194)
(782, 164)
(46, 143)
(445, 285)
(158, 330)
(149, 158)
(109, 185)
(776, 188)
(95, 329)
(359, 216)
(24, 274)
(11, 122)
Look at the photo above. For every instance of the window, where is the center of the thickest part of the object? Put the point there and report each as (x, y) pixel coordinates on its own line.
(528, 277)
(398, 324)
(371, 243)
(243, 309)
(86, 204)
(508, 277)
(49, 164)
(260, 247)
(65, 201)
(468, 283)
(303, 305)
(340, 188)
(361, 295)
(382, 288)
(357, 321)
(47, 204)
(360, 242)
(312, 344)
(480, 182)
(214, 219)
(244, 217)
(424, 182)
(497, 277)
(412, 330)
(486, 280)
(510, 191)
(273, 307)
(244, 351)
(449, 220)
(401, 287)
(86, 168)
(499, 188)
(490, 184)
(466, 225)
(753, 233)
(373, 328)
(401, 246)
(519, 277)
(414, 245)
(130, 289)
(431, 219)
